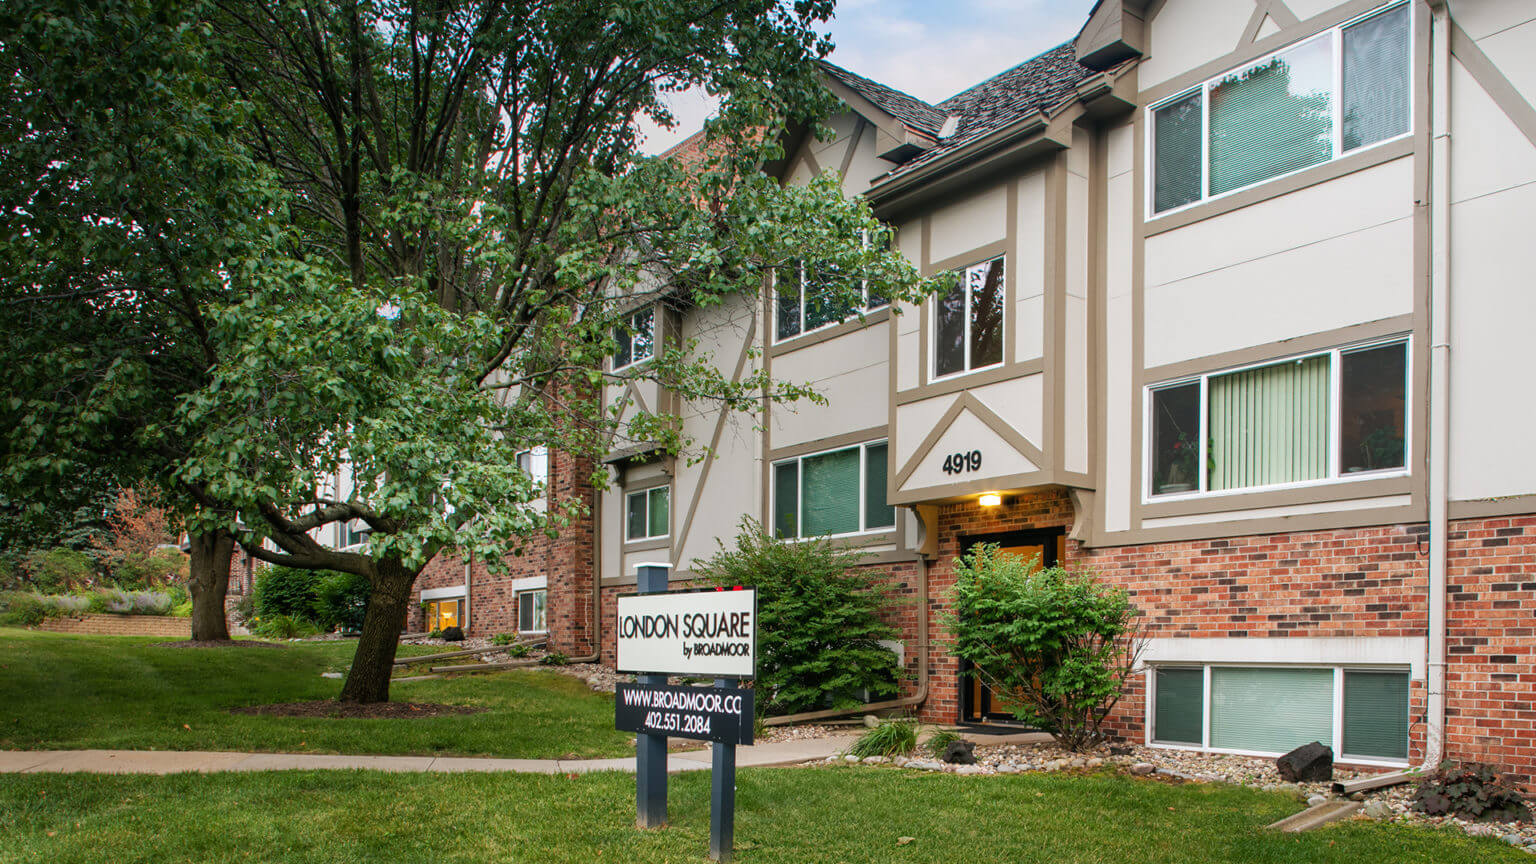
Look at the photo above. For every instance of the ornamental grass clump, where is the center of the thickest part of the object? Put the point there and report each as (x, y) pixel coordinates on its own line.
(889, 739)
(1055, 644)
(821, 619)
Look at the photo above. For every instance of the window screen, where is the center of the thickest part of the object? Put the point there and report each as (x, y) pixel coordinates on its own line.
(1180, 706)
(1176, 152)
(1272, 118)
(1269, 425)
(1376, 714)
(1372, 401)
(1376, 71)
(1270, 710)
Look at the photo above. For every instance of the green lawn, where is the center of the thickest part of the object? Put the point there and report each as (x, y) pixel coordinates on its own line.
(62, 691)
(784, 815)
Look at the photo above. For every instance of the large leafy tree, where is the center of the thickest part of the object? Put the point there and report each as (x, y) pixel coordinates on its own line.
(124, 205)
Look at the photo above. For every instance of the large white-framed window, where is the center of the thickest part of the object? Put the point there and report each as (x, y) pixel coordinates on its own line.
(806, 302)
(647, 513)
(1325, 417)
(531, 612)
(636, 338)
(968, 321)
(1361, 712)
(1327, 96)
(535, 463)
(834, 493)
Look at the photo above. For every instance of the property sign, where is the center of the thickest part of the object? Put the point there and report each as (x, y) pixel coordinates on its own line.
(721, 714)
(711, 634)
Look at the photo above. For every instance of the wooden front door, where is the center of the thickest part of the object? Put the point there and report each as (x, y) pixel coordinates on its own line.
(978, 704)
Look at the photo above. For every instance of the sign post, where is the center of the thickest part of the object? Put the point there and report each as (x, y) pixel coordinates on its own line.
(693, 633)
(651, 750)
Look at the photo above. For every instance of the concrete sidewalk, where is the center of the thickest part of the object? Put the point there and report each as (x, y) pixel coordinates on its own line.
(178, 761)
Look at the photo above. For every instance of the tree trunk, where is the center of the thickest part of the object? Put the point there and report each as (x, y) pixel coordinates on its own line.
(374, 662)
(208, 583)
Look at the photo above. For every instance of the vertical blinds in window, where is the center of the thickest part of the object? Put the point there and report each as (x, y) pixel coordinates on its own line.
(830, 493)
(1375, 71)
(1376, 714)
(1269, 425)
(1180, 705)
(1272, 118)
(1270, 710)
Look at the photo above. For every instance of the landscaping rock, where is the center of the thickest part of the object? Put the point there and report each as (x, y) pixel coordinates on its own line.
(453, 634)
(875, 760)
(871, 721)
(1143, 768)
(970, 769)
(925, 765)
(1309, 763)
(337, 675)
(1378, 810)
(850, 758)
(1316, 800)
(960, 752)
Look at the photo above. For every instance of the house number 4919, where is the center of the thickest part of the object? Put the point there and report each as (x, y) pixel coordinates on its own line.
(959, 463)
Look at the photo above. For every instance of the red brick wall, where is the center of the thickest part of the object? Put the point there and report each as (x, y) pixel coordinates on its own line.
(1491, 649)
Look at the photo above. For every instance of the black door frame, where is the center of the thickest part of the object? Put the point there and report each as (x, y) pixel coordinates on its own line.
(1046, 539)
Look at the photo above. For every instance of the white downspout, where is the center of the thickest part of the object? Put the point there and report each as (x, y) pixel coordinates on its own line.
(1439, 373)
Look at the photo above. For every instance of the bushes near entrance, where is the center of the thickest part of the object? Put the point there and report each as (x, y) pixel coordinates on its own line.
(820, 620)
(311, 599)
(1055, 644)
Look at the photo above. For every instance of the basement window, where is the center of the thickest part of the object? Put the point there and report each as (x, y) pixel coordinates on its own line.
(530, 611)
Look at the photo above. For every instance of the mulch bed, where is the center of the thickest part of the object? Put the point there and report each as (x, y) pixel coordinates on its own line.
(332, 708)
(219, 643)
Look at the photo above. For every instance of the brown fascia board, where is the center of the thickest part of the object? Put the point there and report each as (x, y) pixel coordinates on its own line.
(895, 141)
(1115, 32)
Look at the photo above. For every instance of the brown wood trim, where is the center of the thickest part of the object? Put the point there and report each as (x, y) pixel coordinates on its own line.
(958, 491)
(1011, 273)
(968, 402)
(1282, 14)
(1481, 508)
(1342, 490)
(972, 380)
(1410, 514)
(663, 544)
(1370, 157)
(831, 442)
(1054, 346)
(634, 391)
(1138, 311)
(1255, 21)
(859, 125)
(924, 315)
(816, 337)
(1397, 325)
(932, 438)
(714, 441)
(1493, 82)
(979, 255)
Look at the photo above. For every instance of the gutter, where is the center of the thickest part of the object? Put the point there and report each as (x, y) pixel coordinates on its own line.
(893, 704)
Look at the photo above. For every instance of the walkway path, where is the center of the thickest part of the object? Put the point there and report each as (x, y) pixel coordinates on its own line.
(177, 761)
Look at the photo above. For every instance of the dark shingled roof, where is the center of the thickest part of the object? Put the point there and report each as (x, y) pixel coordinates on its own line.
(994, 103)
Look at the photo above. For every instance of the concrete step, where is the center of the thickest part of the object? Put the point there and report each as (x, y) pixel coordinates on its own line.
(1314, 817)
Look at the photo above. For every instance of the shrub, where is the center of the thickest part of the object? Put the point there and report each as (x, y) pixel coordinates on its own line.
(182, 610)
(890, 738)
(22, 609)
(341, 600)
(1056, 644)
(286, 591)
(58, 569)
(820, 620)
(555, 658)
(282, 626)
(1472, 791)
(503, 639)
(69, 604)
(939, 741)
(453, 634)
(434, 634)
(245, 607)
(156, 569)
(517, 649)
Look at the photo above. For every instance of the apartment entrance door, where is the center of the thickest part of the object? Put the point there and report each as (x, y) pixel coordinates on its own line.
(978, 704)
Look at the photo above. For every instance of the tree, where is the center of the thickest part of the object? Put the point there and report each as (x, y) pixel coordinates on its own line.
(138, 550)
(1056, 645)
(478, 221)
(129, 216)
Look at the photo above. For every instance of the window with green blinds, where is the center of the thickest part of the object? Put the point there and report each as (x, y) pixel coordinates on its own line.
(1376, 714)
(829, 499)
(1272, 118)
(1176, 131)
(877, 513)
(838, 492)
(1270, 425)
(648, 514)
(786, 499)
(1376, 101)
(1270, 710)
(634, 522)
(660, 512)
(1180, 706)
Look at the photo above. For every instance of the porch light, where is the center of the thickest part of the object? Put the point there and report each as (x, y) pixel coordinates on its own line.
(991, 499)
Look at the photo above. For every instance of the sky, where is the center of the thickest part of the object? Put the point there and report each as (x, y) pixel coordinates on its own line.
(931, 49)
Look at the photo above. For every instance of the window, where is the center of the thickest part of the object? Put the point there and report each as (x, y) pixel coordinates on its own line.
(968, 321)
(444, 613)
(636, 338)
(354, 532)
(535, 463)
(809, 301)
(647, 514)
(1275, 709)
(530, 611)
(1315, 418)
(1318, 100)
(833, 493)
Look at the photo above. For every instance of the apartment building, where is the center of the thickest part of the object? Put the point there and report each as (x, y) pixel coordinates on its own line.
(1239, 327)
